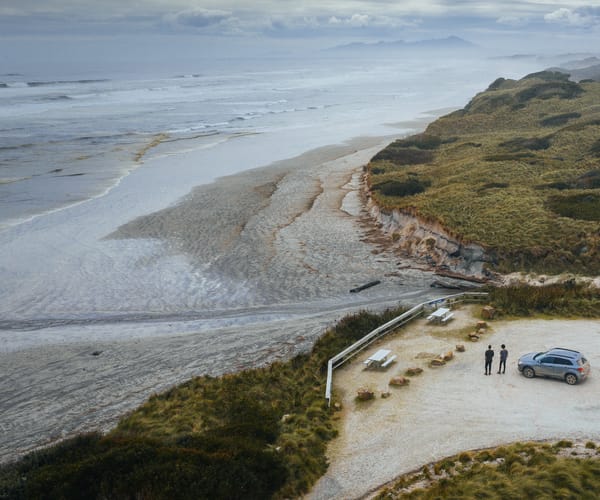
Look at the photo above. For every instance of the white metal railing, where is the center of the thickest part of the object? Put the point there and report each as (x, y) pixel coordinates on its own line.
(340, 358)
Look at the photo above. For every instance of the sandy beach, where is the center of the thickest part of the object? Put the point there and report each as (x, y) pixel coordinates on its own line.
(455, 407)
(238, 273)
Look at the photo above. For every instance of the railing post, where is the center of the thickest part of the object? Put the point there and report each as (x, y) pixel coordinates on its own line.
(329, 381)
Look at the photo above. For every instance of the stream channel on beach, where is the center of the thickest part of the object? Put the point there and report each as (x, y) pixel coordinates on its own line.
(157, 227)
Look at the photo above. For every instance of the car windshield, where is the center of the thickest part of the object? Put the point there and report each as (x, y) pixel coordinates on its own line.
(538, 355)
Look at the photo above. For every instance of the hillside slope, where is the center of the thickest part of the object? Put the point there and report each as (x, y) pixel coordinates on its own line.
(517, 171)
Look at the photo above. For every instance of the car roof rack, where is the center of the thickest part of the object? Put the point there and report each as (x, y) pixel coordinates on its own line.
(564, 349)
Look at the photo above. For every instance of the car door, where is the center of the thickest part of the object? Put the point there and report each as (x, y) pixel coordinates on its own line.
(546, 366)
(564, 366)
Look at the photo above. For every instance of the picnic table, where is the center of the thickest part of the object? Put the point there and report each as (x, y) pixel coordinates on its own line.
(380, 359)
(440, 316)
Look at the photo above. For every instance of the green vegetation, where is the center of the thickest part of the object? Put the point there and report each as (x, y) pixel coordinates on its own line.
(515, 171)
(405, 187)
(568, 299)
(260, 433)
(521, 470)
(580, 206)
(557, 120)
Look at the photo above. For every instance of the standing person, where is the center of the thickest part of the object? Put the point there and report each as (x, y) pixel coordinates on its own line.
(503, 357)
(489, 355)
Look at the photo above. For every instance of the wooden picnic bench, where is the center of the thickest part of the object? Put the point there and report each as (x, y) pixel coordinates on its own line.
(440, 316)
(380, 359)
(447, 318)
(388, 361)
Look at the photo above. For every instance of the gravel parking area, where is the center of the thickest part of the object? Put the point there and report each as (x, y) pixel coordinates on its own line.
(455, 407)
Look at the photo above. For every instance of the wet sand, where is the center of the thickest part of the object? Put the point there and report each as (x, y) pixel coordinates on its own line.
(271, 255)
(277, 234)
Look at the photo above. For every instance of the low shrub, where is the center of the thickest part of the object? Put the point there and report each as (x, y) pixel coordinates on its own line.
(494, 185)
(419, 141)
(576, 206)
(400, 188)
(110, 467)
(528, 143)
(490, 104)
(589, 180)
(548, 76)
(404, 156)
(556, 299)
(561, 119)
(508, 157)
(548, 90)
(497, 84)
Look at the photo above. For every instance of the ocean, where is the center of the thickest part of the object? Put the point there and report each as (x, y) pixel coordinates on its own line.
(83, 153)
(142, 242)
(69, 137)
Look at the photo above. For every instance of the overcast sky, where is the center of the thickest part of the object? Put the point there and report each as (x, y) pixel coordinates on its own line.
(516, 25)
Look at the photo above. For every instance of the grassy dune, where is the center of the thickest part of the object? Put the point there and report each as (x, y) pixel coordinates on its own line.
(517, 171)
(521, 470)
(260, 433)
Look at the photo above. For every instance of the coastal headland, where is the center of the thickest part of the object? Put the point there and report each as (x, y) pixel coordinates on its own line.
(278, 249)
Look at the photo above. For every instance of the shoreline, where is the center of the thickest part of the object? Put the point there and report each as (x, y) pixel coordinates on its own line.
(62, 380)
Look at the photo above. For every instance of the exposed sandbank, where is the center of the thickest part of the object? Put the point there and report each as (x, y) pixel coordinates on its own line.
(283, 249)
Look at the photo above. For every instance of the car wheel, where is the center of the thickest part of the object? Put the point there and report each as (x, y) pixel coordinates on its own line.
(528, 372)
(570, 379)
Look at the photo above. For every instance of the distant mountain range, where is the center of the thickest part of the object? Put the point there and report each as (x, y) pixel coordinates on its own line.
(449, 43)
(583, 69)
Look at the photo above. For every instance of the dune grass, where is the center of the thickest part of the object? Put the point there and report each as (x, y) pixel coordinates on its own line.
(260, 433)
(521, 470)
(564, 300)
(515, 171)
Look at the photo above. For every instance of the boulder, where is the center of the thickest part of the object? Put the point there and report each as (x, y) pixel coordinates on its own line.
(460, 348)
(399, 381)
(488, 312)
(411, 372)
(365, 394)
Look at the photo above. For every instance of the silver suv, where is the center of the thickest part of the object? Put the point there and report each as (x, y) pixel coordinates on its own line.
(565, 364)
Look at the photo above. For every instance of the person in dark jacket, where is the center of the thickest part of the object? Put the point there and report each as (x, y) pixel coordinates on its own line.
(503, 358)
(489, 355)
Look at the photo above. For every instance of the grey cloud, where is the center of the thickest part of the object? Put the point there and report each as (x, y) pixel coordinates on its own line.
(578, 17)
(198, 18)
